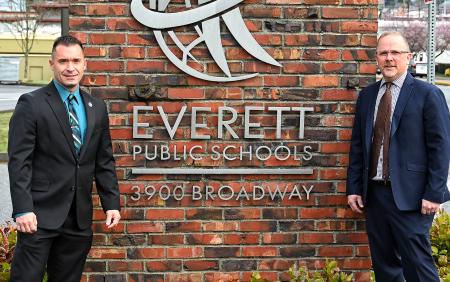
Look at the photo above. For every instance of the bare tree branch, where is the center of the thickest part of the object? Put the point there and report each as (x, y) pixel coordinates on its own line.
(25, 26)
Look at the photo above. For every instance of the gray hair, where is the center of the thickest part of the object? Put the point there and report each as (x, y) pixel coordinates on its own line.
(395, 33)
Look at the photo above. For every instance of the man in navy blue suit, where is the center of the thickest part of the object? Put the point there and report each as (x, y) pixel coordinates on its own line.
(399, 161)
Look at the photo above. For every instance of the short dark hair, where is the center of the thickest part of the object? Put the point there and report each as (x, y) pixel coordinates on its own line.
(66, 40)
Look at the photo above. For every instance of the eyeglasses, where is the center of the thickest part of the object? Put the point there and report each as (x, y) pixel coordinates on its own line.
(394, 53)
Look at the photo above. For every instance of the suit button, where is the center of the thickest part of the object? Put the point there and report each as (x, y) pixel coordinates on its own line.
(73, 188)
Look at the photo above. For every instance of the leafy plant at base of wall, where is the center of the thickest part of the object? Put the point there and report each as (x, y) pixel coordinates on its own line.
(440, 244)
(329, 273)
(8, 243)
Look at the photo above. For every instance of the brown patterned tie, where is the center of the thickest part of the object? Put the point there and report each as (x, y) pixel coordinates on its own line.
(381, 135)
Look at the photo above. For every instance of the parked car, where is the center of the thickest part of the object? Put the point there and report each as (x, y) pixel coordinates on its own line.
(418, 64)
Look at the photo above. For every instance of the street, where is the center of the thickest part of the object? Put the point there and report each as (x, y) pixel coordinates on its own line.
(5, 198)
(446, 90)
(9, 94)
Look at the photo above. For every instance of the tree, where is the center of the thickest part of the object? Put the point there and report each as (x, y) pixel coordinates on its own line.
(29, 16)
(416, 33)
(443, 38)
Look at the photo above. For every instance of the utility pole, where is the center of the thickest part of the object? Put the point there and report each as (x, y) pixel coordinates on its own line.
(431, 50)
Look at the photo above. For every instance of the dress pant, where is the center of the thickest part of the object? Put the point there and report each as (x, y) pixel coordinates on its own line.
(62, 252)
(399, 240)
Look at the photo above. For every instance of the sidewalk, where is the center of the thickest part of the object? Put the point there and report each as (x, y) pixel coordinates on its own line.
(439, 81)
(5, 198)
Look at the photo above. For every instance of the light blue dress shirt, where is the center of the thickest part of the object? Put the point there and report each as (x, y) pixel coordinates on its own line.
(79, 107)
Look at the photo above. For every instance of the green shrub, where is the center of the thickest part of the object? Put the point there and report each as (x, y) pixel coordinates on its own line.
(8, 243)
(329, 273)
(440, 244)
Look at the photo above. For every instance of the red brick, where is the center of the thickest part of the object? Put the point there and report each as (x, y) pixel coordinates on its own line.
(321, 2)
(259, 251)
(204, 239)
(107, 253)
(369, 40)
(94, 51)
(238, 239)
(164, 266)
(335, 148)
(261, 12)
(201, 265)
(338, 94)
(82, 24)
(166, 239)
(188, 277)
(164, 214)
(97, 80)
(273, 238)
(124, 24)
(315, 238)
(333, 173)
(258, 226)
(320, 81)
(189, 252)
(146, 253)
(107, 38)
(360, 2)
(340, 13)
(217, 276)
(351, 238)
(281, 81)
(355, 264)
(354, 26)
(122, 266)
(105, 66)
(106, 10)
(185, 93)
(366, 68)
(145, 66)
(144, 227)
(317, 212)
(301, 39)
(321, 54)
(335, 251)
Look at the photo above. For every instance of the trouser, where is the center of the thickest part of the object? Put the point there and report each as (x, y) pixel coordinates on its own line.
(62, 252)
(399, 240)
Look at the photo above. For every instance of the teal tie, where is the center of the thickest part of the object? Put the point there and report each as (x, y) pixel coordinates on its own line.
(74, 124)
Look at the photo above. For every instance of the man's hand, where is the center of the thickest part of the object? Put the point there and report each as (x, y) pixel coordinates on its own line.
(429, 207)
(112, 218)
(355, 202)
(27, 223)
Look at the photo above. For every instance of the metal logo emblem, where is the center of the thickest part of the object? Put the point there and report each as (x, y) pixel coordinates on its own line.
(206, 18)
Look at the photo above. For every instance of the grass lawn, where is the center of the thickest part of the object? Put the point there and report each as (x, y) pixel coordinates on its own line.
(4, 127)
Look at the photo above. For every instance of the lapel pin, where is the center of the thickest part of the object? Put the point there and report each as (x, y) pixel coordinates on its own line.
(90, 104)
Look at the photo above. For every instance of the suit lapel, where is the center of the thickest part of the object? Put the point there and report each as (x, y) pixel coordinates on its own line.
(90, 116)
(405, 94)
(59, 110)
(370, 116)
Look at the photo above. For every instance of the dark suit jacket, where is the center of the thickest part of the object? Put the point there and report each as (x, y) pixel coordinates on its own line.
(419, 152)
(44, 170)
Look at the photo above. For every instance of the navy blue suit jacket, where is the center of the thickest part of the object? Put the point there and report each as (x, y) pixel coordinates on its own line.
(419, 152)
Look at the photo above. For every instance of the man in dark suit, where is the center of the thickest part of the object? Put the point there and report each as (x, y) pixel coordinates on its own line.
(59, 142)
(399, 163)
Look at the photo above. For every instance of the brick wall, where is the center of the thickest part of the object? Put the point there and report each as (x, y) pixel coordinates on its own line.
(326, 48)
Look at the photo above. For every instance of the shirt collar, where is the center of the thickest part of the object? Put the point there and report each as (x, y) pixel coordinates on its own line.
(64, 92)
(398, 82)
